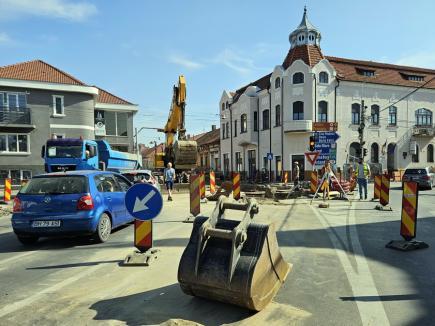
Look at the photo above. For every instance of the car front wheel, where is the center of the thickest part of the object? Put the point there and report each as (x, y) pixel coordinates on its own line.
(104, 228)
(30, 240)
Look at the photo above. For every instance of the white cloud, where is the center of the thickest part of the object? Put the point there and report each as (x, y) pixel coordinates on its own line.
(184, 62)
(422, 59)
(4, 38)
(235, 61)
(63, 9)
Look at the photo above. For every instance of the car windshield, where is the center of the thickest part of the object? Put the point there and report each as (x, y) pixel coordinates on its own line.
(137, 177)
(65, 151)
(56, 185)
(415, 171)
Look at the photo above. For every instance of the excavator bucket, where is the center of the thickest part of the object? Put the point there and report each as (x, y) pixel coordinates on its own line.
(185, 152)
(238, 262)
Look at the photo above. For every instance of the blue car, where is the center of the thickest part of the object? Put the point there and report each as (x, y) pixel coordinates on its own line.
(70, 203)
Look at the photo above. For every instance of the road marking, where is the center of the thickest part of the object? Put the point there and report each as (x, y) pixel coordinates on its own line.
(29, 300)
(360, 278)
(8, 260)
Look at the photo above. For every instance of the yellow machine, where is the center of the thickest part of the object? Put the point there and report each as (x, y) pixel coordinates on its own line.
(181, 153)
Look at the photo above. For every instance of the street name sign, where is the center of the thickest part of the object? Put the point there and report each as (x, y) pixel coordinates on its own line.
(143, 201)
(325, 126)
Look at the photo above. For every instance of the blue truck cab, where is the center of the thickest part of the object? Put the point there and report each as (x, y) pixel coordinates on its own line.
(70, 154)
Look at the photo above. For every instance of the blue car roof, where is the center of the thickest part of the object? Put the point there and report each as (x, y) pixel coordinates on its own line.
(78, 172)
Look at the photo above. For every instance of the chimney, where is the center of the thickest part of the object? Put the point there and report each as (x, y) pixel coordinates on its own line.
(213, 127)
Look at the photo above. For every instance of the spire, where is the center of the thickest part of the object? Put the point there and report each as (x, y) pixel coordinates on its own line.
(306, 33)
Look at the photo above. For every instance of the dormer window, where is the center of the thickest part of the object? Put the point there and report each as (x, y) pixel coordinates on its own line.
(311, 37)
(366, 72)
(418, 78)
(301, 38)
(298, 78)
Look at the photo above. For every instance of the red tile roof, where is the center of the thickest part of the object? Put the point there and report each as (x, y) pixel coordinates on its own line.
(209, 137)
(387, 74)
(310, 54)
(106, 97)
(38, 70)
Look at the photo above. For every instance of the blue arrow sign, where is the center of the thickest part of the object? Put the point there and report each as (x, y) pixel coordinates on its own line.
(326, 137)
(143, 201)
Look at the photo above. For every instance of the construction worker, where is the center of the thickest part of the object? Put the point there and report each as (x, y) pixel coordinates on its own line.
(169, 177)
(296, 173)
(362, 172)
(327, 172)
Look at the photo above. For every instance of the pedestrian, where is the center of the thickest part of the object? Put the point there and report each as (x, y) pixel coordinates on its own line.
(362, 172)
(296, 173)
(327, 173)
(169, 176)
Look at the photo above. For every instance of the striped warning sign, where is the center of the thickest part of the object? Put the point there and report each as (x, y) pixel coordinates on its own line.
(236, 185)
(408, 226)
(195, 197)
(384, 198)
(285, 177)
(377, 192)
(313, 182)
(143, 235)
(7, 190)
(202, 185)
(212, 183)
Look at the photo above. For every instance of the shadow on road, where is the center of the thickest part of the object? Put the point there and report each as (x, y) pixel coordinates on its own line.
(394, 297)
(169, 302)
(93, 263)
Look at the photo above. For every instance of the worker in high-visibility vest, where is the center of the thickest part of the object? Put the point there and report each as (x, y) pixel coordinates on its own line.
(362, 173)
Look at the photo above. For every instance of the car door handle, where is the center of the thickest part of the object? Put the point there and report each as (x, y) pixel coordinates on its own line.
(109, 198)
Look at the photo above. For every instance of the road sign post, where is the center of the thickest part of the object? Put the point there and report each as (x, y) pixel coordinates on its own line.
(144, 202)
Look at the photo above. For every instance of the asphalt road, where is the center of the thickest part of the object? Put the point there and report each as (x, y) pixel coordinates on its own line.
(342, 273)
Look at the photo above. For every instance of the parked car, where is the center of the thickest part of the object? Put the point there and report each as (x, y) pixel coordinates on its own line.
(144, 176)
(423, 176)
(70, 203)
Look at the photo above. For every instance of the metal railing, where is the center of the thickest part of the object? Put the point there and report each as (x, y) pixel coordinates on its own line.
(15, 116)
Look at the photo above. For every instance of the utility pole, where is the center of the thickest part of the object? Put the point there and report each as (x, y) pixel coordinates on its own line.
(361, 128)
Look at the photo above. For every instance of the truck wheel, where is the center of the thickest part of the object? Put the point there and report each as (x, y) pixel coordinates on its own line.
(104, 228)
(30, 240)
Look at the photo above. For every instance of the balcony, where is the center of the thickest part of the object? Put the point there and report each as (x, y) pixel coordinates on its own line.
(423, 131)
(15, 117)
(298, 126)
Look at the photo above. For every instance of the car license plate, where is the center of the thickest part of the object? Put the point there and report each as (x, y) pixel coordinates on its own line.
(46, 224)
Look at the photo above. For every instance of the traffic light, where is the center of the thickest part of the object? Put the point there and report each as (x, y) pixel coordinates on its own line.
(364, 151)
(312, 143)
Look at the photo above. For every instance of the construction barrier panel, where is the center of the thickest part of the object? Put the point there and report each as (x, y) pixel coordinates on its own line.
(195, 197)
(313, 182)
(202, 185)
(212, 183)
(285, 177)
(7, 190)
(385, 190)
(408, 226)
(377, 192)
(143, 235)
(236, 185)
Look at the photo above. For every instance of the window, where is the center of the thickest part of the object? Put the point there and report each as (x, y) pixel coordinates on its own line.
(123, 184)
(239, 162)
(322, 111)
(298, 78)
(323, 77)
(298, 110)
(277, 82)
(277, 116)
(223, 106)
(413, 77)
(105, 183)
(392, 116)
(375, 114)
(430, 153)
(374, 153)
(14, 143)
(243, 123)
(227, 130)
(423, 117)
(266, 124)
(235, 128)
(354, 151)
(278, 166)
(255, 121)
(223, 131)
(116, 123)
(226, 163)
(416, 157)
(366, 72)
(13, 101)
(355, 113)
(58, 105)
(265, 163)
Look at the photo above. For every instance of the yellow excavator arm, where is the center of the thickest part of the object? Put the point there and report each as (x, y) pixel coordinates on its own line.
(176, 117)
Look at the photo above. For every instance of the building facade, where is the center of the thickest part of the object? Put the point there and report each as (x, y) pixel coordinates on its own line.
(275, 113)
(39, 101)
(209, 150)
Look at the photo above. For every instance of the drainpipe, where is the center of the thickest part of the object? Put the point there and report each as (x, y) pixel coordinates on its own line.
(270, 133)
(335, 99)
(282, 128)
(258, 134)
(231, 138)
(315, 97)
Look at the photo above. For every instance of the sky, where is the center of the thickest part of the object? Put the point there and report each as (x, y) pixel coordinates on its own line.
(137, 48)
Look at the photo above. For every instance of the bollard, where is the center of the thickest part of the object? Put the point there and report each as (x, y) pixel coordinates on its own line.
(377, 191)
(313, 182)
(408, 223)
(212, 183)
(236, 185)
(143, 235)
(384, 197)
(202, 185)
(195, 196)
(7, 190)
(285, 177)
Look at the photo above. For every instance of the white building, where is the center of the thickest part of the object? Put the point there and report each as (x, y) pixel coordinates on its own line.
(274, 114)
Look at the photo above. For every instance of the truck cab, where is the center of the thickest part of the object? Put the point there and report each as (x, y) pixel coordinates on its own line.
(70, 155)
